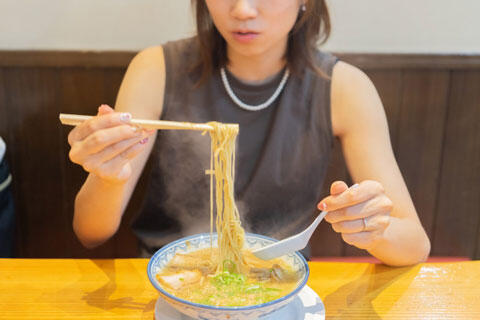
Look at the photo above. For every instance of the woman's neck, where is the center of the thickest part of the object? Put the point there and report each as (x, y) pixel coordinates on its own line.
(255, 69)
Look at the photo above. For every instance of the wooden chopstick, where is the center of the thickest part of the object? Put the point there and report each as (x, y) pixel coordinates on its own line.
(76, 119)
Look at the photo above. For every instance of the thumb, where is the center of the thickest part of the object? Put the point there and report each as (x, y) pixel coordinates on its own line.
(104, 109)
(338, 187)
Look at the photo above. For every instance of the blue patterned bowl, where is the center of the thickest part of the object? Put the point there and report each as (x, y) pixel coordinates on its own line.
(200, 311)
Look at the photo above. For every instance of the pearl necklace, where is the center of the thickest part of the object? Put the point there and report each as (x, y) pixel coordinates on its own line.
(248, 107)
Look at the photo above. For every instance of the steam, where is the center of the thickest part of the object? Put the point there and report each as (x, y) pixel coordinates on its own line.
(184, 159)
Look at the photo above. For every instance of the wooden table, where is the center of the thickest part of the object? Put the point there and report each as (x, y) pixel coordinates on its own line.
(119, 289)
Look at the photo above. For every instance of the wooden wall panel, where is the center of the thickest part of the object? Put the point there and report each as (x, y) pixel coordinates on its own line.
(457, 222)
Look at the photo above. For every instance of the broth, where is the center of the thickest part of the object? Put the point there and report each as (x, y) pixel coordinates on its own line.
(194, 277)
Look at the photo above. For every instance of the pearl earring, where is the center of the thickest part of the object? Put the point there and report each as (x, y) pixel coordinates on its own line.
(303, 7)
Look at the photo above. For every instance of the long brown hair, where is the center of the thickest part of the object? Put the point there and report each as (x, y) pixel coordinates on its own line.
(311, 29)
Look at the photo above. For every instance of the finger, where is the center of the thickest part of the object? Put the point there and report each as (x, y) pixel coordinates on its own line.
(105, 109)
(375, 222)
(107, 137)
(115, 149)
(338, 187)
(355, 194)
(99, 122)
(117, 167)
(75, 134)
(376, 205)
(352, 226)
(354, 212)
(82, 150)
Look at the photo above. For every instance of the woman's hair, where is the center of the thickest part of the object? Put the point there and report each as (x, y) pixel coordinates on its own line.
(311, 29)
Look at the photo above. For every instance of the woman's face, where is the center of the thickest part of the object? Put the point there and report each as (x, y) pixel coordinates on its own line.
(254, 27)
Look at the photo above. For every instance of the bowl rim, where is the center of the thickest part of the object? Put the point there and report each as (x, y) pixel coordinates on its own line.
(154, 282)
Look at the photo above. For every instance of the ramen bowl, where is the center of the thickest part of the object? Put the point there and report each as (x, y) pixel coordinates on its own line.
(201, 311)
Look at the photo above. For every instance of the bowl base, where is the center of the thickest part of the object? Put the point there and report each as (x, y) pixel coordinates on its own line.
(306, 305)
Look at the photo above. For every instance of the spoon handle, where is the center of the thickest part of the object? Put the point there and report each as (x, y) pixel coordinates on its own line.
(315, 223)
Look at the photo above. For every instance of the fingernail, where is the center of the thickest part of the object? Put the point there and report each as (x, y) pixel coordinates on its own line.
(143, 141)
(322, 206)
(134, 129)
(125, 117)
(354, 186)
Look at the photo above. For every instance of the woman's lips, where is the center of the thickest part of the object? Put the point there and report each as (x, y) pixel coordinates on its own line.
(245, 36)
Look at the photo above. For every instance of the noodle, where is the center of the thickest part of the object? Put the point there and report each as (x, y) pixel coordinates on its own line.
(228, 225)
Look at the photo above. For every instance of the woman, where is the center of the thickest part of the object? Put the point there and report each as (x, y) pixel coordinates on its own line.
(254, 63)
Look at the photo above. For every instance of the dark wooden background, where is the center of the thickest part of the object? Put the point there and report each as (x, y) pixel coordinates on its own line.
(432, 104)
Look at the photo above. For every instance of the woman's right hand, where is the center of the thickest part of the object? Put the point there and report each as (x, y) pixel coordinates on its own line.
(105, 144)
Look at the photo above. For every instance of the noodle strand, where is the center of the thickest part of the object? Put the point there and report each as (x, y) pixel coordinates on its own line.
(230, 232)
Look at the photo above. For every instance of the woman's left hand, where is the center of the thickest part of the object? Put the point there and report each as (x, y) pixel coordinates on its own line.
(360, 213)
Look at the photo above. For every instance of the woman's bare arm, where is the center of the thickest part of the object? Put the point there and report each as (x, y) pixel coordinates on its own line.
(101, 201)
(396, 237)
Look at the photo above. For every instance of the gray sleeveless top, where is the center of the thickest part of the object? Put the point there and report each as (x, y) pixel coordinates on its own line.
(281, 157)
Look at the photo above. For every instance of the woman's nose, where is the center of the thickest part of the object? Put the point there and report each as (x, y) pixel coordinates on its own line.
(244, 9)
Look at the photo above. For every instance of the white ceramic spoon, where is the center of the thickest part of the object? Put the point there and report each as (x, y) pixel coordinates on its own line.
(290, 244)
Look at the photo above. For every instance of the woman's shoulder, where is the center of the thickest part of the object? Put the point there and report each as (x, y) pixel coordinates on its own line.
(348, 79)
(353, 96)
(148, 64)
(149, 55)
